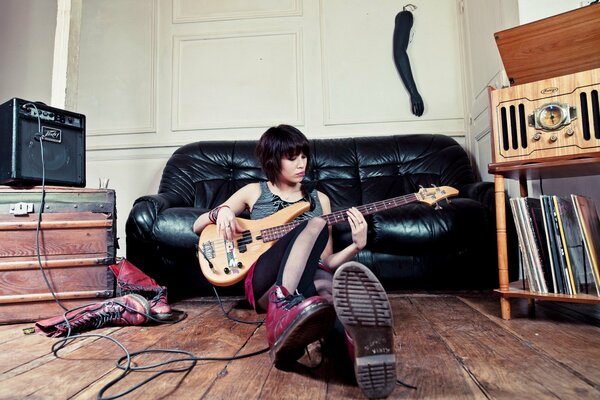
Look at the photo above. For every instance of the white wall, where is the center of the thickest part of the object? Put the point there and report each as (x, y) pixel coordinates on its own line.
(533, 10)
(480, 20)
(156, 74)
(26, 49)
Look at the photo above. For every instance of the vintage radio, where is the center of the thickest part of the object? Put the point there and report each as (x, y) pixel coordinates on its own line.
(550, 114)
(557, 117)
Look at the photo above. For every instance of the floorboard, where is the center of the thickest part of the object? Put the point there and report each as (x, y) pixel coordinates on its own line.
(425, 360)
(449, 346)
(504, 365)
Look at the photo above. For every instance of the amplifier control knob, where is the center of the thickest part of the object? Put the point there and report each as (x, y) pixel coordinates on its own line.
(553, 138)
(569, 131)
(537, 136)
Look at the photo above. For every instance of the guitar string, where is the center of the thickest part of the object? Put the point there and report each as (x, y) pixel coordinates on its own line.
(219, 246)
(274, 233)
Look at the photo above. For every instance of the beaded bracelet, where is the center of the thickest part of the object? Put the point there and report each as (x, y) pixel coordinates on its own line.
(214, 213)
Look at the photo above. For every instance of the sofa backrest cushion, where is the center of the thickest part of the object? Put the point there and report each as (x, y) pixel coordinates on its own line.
(351, 171)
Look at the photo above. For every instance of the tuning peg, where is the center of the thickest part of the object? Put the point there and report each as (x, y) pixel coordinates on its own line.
(448, 201)
(437, 206)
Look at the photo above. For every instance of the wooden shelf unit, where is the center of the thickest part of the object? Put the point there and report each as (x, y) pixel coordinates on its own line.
(556, 167)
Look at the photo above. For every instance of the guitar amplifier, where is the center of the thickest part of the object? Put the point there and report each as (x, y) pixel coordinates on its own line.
(38, 142)
(558, 117)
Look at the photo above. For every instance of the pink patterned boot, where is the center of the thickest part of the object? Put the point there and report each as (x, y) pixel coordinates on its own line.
(131, 309)
(131, 280)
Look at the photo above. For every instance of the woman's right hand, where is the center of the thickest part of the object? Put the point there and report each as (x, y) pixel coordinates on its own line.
(227, 226)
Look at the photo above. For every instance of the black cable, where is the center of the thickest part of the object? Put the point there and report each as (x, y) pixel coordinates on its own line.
(226, 313)
(70, 337)
(127, 368)
(40, 136)
(406, 385)
(124, 363)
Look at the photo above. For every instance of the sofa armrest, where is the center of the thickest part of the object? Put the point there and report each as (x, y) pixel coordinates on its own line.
(483, 192)
(145, 211)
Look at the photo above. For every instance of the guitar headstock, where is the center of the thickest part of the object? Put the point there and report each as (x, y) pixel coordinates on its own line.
(434, 194)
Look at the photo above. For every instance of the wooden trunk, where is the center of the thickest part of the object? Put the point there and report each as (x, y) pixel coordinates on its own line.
(73, 248)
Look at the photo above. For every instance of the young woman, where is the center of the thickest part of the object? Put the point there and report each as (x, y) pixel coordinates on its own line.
(293, 281)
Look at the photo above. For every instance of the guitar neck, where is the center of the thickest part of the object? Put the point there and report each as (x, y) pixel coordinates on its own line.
(277, 232)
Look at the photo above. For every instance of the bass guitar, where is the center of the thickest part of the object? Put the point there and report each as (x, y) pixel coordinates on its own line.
(226, 262)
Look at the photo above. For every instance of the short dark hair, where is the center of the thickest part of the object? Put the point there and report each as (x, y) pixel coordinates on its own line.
(278, 142)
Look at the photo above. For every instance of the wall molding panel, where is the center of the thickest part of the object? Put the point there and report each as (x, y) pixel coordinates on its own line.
(117, 70)
(237, 80)
(187, 11)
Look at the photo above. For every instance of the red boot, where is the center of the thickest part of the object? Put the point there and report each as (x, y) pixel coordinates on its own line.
(363, 308)
(131, 309)
(294, 322)
(131, 280)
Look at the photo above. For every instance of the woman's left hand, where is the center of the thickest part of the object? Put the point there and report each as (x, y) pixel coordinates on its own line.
(358, 224)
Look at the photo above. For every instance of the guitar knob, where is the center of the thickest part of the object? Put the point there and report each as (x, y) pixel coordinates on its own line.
(226, 270)
(239, 264)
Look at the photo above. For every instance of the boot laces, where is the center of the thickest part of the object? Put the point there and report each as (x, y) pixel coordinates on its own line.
(92, 319)
(154, 294)
(290, 300)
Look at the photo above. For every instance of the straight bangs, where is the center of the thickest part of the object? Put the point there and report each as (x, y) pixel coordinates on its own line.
(294, 147)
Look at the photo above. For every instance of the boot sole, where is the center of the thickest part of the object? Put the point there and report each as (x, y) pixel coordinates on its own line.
(362, 306)
(314, 322)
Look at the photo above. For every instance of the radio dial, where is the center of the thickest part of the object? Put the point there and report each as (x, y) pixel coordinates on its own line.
(552, 116)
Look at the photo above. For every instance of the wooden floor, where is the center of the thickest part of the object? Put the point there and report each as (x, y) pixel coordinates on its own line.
(450, 346)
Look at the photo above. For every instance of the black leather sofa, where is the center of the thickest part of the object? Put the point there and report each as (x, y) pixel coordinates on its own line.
(415, 246)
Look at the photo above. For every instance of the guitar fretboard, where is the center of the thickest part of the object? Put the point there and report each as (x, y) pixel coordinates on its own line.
(277, 232)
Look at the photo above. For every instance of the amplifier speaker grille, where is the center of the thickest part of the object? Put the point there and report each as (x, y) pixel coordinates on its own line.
(20, 150)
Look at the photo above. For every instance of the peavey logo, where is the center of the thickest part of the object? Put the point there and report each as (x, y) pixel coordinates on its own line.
(51, 134)
(549, 90)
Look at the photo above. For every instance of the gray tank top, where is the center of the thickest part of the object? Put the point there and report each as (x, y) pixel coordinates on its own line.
(269, 203)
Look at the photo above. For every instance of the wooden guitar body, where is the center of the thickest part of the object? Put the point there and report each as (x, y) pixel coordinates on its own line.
(225, 262)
